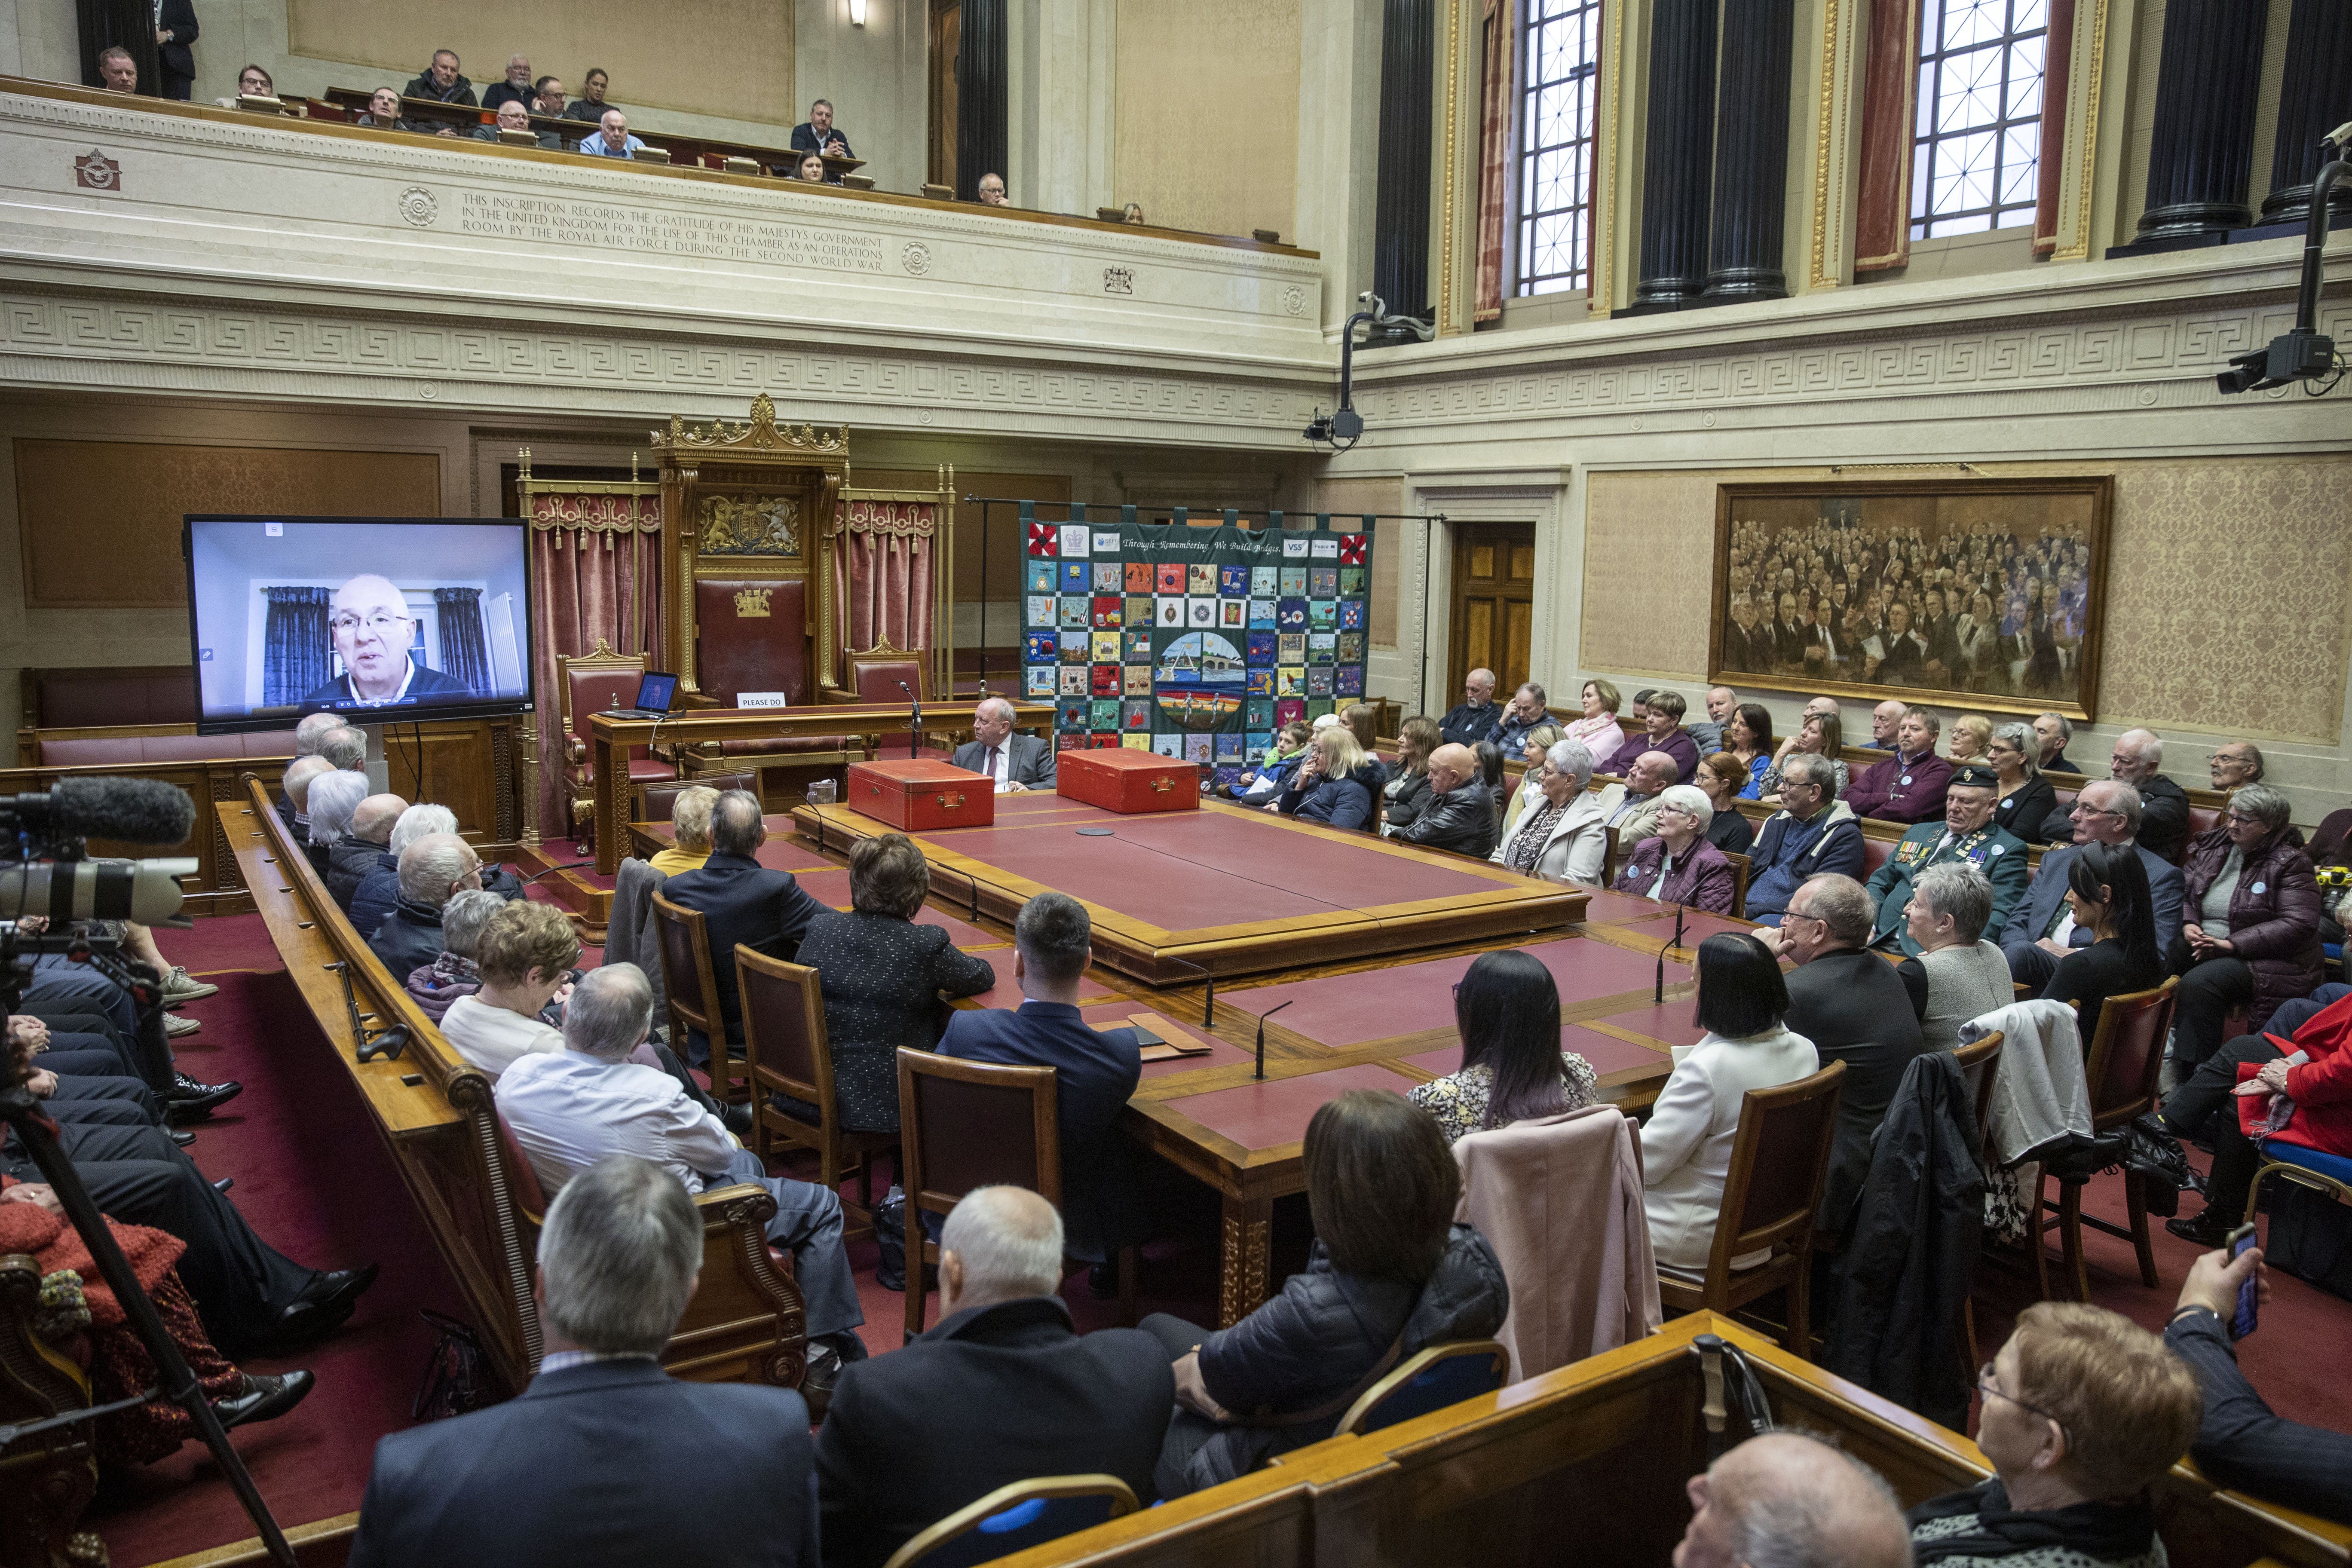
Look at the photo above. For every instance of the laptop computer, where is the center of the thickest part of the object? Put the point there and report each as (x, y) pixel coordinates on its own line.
(656, 692)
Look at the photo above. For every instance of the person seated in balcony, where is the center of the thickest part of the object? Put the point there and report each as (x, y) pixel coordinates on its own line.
(516, 89)
(383, 111)
(251, 82)
(992, 190)
(818, 133)
(514, 114)
(809, 169)
(117, 71)
(441, 81)
(592, 103)
(611, 139)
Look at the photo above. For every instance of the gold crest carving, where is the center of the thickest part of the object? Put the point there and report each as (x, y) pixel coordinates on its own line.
(752, 604)
(750, 525)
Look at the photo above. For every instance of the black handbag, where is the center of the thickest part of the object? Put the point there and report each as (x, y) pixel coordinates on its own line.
(2310, 1235)
(890, 1235)
(456, 1380)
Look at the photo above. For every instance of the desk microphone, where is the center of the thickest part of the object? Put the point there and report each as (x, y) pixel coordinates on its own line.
(915, 735)
(1262, 1017)
(1658, 996)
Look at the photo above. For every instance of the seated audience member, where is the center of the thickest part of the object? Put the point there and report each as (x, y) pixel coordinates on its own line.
(740, 900)
(2052, 732)
(1596, 729)
(992, 190)
(2042, 930)
(571, 1108)
(2235, 763)
(1467, 721)
(1709, 734)
(2027, 801)
(514, 114)
(1525, 710)
(295, 787)
(1783, 1498)
(379, 888)
(612, 137)
(1094, 1071)
(1966, 975)
(1260, 786)
(453, 974)
(1748, 740)
(1134, 213)
(689, 821)
(1336, 782)
(1686, 1142)
(2083, 1411)
(1677, 865)
(2106, 896)
(1389, 1269)
(604, 1457)
(1720, 778)
(1003, 1390)
(1909, 785)
(2163, 806)
(384, 112)
(1667, 737)
(1016, 762)
(2240, 1442)
(117, 71)
(1972, 738)
(515, 88)
(333, 798)
(344, 747)
(1967, 836)
(434, 867)
(1632, 807)
(251, 82)
(1490, 773)
(441, 82)
(1854, 1008)
(1507, 1010)
(1516, 798)
(1407, 793)
(524, 955)
(357, 850)
(809, 168)
(2304, 1098)
(883, 977)
(1885, 721)
(1818, 735)
(1460, 814)
(547, 97)
(1563, 839)
(817, 133)
(590, 105)
(2250, 936)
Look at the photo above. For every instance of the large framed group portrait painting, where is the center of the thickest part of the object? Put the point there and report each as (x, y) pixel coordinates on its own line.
(1987, 593)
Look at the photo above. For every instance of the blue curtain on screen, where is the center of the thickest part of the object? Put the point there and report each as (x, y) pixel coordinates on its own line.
(297, 654)
(465, 652)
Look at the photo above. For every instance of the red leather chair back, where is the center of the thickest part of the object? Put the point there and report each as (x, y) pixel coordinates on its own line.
(975, 1124)
(783, 1026)
(686, 970)
(1875, 852)
(875, 677)
(660, 797)
(751, 635)
(2127, 1054)
(1779, 1158)
(2203, 819)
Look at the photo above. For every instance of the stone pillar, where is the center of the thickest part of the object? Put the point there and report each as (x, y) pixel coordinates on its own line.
(2203, 149)
(1401, 217)
(983, 68)
(1751, 159)
(2315, 97)
(1677, 156)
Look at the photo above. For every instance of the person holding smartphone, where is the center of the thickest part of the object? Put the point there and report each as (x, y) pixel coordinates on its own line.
(2242, 1442)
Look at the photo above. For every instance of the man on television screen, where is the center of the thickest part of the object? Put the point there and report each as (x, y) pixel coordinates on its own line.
(373, 632)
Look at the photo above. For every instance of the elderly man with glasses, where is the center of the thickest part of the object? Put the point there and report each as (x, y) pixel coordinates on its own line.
(2042, 929)
(374, 638)
(2137, 759)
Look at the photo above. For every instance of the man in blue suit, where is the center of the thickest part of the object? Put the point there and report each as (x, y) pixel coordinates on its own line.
(1095, 1072)
(605, 1458)
(740, 900)
(2040, 929)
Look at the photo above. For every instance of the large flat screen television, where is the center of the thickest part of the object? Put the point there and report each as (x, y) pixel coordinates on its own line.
(387, 619)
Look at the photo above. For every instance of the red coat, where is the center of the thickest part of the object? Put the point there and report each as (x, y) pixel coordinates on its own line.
(2320, 1087)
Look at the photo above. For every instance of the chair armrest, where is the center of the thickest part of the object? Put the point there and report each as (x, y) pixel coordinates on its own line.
(747, 1322)
(575, 749)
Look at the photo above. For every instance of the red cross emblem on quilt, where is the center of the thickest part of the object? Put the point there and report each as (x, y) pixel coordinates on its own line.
(1045, 539)
(1351, 549)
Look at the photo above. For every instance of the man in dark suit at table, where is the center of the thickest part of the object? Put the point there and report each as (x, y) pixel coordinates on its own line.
(740, 901)
(1094, 1071)
(605, 1457)
(2040, 929)
(816, 133)
(1016, 762)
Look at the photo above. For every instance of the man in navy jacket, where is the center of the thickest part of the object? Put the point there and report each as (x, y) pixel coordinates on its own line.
(1094, 1071)
(740, 900)
(1811, 833)
(605, 1459)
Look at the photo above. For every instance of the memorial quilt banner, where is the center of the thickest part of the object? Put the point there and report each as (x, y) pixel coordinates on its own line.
(1197, 643)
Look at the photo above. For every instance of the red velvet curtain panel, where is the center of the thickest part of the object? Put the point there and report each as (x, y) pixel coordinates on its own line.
(2057, 68)
(595, 575)
(1890, 87)
(884, 574)
(1495, 105)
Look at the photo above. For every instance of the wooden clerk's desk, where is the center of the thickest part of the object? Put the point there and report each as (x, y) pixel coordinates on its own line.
(609, 738)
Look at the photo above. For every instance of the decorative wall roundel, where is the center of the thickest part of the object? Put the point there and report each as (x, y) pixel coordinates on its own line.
(916, 258)
(419, 206)
(1294, 301)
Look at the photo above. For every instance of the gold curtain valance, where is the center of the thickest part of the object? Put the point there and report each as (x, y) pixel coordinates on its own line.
(568, 513)
(903, 518)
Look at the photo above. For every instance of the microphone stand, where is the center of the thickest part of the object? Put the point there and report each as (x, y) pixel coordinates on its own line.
(1658, 993)
(1262, 1017)
(915, 735)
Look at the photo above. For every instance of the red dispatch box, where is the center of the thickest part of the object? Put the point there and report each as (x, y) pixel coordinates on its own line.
(1129, 782)
(916, 795)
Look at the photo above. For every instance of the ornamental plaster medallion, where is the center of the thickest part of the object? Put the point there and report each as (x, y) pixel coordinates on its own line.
(97, 171)
(1294, 301)
(419, 206)
(915, 258)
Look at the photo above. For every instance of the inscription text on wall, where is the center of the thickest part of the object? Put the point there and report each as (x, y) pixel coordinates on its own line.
(604, 225)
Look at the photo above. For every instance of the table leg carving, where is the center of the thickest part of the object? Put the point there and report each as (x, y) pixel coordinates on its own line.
(1241, 1269)
(612, 790)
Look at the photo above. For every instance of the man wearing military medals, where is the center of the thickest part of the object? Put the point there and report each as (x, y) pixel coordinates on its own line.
(1966, 833)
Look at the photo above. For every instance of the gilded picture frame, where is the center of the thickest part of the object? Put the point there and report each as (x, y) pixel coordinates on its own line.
(1860, 575)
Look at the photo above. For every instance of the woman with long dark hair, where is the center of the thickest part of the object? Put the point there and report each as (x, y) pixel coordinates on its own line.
(1748, 738)
(2106, 891)
(1507, 1011)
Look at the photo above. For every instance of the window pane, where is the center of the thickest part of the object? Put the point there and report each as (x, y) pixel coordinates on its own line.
(1978, 139)
(1560, 47)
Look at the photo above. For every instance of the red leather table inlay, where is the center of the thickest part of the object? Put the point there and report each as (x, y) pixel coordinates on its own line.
(1607, 1053)
(1697, 925)
(1266, 1115)
(1669, 1021)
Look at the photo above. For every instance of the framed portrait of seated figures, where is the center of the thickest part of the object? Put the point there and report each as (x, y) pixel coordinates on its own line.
(1987, 593)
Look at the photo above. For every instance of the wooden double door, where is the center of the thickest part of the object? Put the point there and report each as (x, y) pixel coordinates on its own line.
(1494, 607)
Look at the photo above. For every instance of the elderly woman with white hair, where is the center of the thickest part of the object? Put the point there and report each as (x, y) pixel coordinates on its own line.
(332, 797)
(1561, 838)
(1679, 864)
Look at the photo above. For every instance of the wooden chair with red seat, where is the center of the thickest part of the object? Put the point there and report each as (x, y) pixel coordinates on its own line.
(977, 1124)
(590, 683)
(2125, 1056)
(785, 1052)
(691, 988)
(1780, 1159)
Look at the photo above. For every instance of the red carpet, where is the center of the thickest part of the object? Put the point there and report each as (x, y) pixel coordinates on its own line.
(315, 1183)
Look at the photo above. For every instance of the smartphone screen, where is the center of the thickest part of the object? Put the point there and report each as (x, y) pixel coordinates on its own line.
(2246, 1319)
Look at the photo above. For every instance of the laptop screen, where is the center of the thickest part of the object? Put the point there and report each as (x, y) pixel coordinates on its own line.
(655, 691)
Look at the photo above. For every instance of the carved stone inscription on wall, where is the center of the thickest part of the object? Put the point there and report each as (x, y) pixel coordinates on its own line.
(710, 237)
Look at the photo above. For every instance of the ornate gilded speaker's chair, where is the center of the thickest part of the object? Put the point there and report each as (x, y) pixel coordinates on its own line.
(589, 683)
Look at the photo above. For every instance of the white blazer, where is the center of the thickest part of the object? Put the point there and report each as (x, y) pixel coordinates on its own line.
(1574, 848)
(1686, 1146)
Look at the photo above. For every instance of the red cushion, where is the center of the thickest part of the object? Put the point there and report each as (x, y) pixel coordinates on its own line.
(751, 635)
(650, 768)
(780, 745)
(121, 751)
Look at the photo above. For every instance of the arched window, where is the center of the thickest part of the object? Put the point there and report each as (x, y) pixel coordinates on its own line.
(1977, 146)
